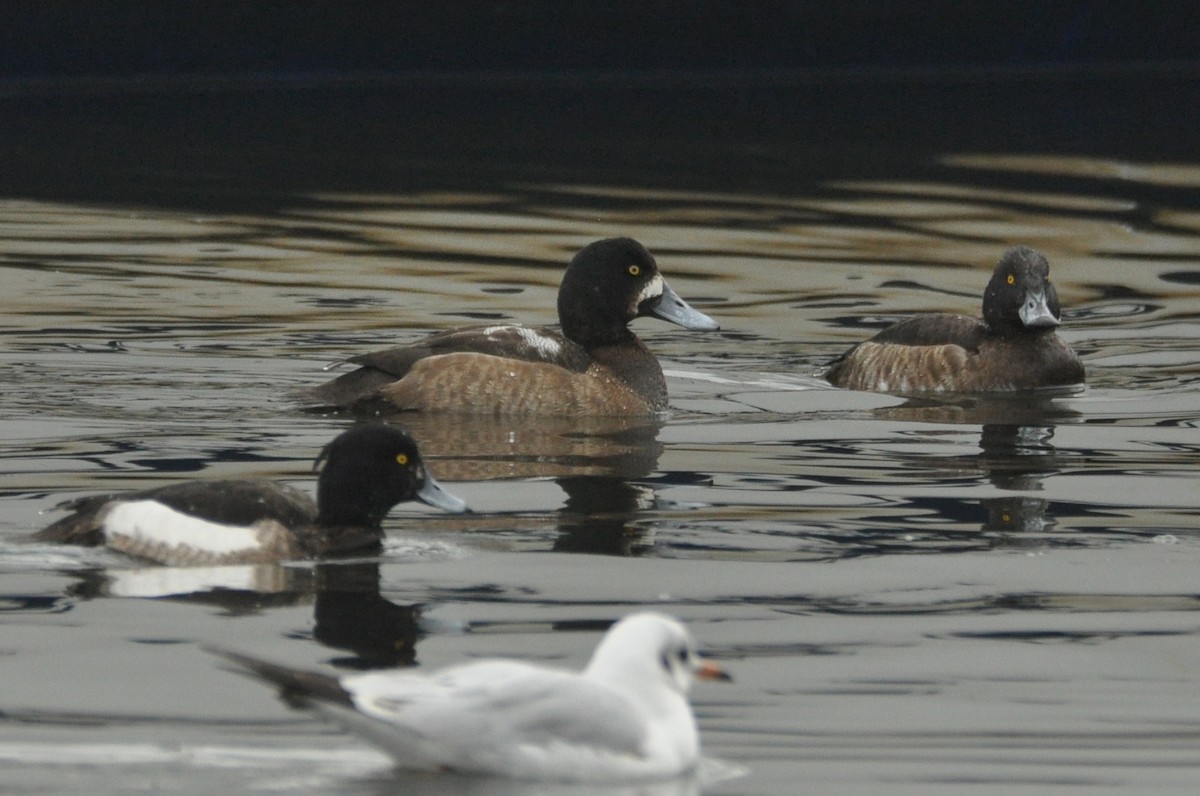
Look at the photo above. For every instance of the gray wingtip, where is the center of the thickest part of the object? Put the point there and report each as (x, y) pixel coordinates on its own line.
(296, 686)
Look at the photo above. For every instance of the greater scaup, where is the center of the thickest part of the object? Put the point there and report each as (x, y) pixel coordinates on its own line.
(624, 718)
(1013, 347)
(594, 366)
(367, 470)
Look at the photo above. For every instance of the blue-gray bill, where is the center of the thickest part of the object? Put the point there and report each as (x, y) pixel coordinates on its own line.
(673, 309)
(433, 494)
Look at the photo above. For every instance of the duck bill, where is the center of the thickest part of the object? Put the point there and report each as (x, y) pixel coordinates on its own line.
(711, 671)
(1035, 312)
(432, 494)
(673, 309)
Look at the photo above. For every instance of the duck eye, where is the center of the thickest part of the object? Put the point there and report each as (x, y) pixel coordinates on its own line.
(1012, 280)
(401, 459)
(635, 270)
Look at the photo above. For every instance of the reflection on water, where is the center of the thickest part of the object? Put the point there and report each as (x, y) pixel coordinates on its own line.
(344, 770)
(1016, 453)
(472, 448)
(1019, 568)
(349, 614)
(601, 515)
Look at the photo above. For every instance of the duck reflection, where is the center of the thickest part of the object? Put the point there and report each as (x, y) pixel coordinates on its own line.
(1016, 450)
(349, 612)
(600, 516)
(1017, 456)
(595, 461)
(351, 615)
(1016, 515)
(471, 448)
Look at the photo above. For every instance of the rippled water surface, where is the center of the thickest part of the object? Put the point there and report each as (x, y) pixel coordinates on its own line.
(983, 595)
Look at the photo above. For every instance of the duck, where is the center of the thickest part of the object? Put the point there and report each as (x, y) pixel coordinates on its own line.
(594, 366)
(1014, 346)
(364, 472)
(624, 718)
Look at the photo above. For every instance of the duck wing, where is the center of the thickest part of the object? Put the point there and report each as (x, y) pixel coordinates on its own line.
(523, 343)
(923, 353)
(935, 329)
(381, 368)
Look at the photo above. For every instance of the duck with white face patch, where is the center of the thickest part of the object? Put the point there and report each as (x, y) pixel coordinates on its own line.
(594, 366)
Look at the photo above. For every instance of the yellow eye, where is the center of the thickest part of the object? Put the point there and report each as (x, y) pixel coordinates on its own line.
(402, 459)
(1012, 280)
(634, 270)
(1006, 517)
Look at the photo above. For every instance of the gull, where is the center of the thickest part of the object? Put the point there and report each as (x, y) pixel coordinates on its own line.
(624, 718)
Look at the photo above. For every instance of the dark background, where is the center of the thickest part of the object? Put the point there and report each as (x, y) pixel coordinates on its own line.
(231, 104)
(286, 39)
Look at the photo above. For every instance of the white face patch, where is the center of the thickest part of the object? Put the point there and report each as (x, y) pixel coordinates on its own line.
(652, 290)
(148, 523)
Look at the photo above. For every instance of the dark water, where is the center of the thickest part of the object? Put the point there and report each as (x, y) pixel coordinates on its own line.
(938, 596)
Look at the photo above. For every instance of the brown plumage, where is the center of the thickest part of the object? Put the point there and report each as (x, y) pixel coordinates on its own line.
(595, 366)
(1013, 347)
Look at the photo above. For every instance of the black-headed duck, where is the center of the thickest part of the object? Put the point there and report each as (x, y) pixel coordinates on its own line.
(1013, 347)
(366, 471)
(594, 366)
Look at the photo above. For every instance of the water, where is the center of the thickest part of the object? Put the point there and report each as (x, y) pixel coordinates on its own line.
(914, 596)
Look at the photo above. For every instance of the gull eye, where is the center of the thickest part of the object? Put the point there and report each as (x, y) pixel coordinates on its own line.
(635, 270)
(1012, 280)
(401, 459)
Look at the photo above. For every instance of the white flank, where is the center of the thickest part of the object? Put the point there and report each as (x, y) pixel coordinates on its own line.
(152, 523)
(653, 289)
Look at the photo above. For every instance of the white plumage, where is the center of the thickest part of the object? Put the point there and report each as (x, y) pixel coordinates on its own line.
(624, 718)
(137, 523)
